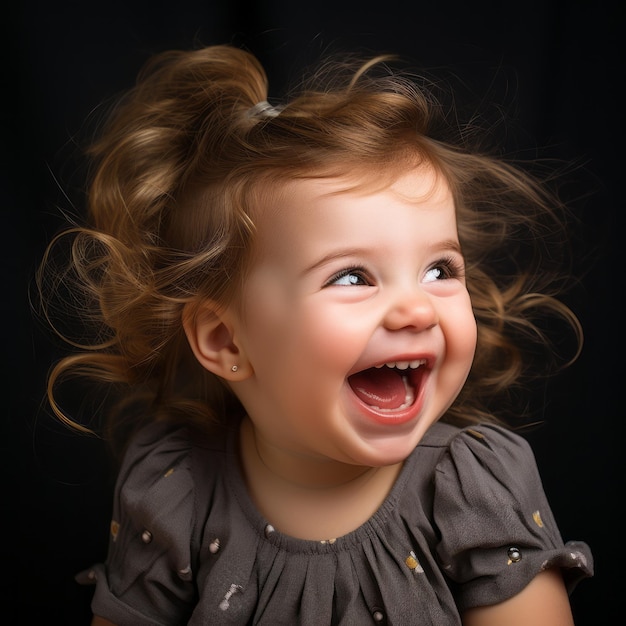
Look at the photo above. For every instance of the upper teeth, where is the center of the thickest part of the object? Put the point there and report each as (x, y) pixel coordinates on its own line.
(403, 365)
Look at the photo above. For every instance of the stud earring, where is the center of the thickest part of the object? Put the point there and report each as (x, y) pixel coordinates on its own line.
(234, 368)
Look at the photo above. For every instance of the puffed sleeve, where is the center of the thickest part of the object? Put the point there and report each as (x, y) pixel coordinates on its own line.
(497, 529)
(147, 576)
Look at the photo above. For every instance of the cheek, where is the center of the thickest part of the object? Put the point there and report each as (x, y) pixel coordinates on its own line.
(460, 349)
(285, 334)
(467, 349)
(461, 333)
(330, 341)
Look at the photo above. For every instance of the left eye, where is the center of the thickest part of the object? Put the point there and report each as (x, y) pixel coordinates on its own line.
(434, 274)
(444, 270)
(349, 277)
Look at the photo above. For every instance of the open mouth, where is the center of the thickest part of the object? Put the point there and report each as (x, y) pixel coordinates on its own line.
(389, 387)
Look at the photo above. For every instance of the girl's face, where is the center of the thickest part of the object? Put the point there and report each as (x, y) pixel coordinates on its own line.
(356, 322)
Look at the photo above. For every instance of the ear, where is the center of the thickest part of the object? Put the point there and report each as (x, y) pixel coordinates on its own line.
(210, 332)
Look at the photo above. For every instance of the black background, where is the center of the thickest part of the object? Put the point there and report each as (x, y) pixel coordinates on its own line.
(547, 72)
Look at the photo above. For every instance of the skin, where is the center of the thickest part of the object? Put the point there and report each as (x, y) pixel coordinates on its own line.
(543, 602)
(344, 281)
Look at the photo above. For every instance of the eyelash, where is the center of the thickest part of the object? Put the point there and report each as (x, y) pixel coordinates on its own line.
(361, 271)
(451, 267)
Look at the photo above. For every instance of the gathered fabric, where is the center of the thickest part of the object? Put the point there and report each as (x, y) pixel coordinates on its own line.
(467, 523)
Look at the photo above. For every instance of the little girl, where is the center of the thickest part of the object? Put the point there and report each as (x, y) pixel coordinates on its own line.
(314, 317)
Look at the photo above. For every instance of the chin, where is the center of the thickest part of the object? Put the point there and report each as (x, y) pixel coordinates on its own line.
(386, 451)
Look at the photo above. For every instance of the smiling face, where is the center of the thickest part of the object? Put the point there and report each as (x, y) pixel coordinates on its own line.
(355, 322)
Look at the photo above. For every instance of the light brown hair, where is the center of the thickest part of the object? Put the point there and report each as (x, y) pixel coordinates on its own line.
(188, 156)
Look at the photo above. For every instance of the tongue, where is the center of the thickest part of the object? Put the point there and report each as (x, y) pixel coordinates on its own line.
(379, 387)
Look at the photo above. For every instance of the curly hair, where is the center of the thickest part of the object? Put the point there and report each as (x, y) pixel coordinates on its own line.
(188, 157)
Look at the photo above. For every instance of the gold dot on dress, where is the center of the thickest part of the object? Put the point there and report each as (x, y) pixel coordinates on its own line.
(115, 529)
(537, 518)
(412, 563)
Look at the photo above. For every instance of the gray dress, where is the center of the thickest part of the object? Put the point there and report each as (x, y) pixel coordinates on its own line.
(467, 523)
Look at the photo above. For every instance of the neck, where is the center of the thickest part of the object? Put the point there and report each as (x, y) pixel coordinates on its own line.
(309, 498)
(297, 471)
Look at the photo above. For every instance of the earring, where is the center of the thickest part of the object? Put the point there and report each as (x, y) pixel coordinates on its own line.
(234, 368)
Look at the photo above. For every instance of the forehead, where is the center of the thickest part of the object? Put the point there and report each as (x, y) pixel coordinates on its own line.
(415, 184)
(344, 211)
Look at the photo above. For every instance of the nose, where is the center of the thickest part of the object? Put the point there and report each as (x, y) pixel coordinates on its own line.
(411, 309)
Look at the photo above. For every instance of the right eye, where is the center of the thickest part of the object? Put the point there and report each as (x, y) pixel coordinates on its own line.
(352, 276)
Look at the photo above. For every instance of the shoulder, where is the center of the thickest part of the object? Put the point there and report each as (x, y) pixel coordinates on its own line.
(156, 489)
(488, 473)
(490, 463)
(478, 448)
(496, 526)
(492, 436)
(480, 443)
(160, 473)
(490, 442)
(166, 447)
(162, 492)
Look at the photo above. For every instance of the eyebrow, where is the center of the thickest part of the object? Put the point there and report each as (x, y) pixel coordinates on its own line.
(332, 256)
(447, 245)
